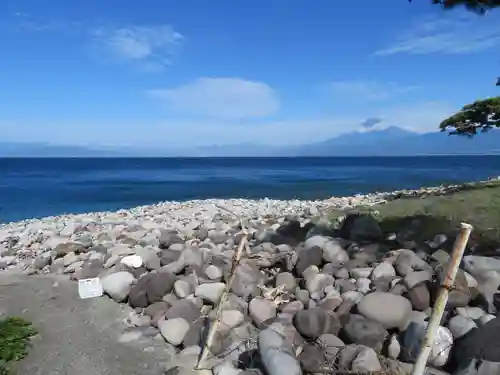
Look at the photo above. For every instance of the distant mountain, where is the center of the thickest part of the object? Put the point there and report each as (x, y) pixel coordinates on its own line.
(392, 141)
(9, 149)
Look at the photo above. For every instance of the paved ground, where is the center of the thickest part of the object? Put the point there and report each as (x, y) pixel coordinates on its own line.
(77, 337)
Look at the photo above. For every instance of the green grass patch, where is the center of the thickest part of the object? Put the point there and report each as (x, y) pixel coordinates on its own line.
(420, 219)
(15, 334)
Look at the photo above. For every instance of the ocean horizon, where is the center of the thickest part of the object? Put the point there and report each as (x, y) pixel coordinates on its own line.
(39, 187)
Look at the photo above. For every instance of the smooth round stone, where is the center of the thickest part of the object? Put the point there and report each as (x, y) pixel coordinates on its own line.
(174, 330)
(389, 309)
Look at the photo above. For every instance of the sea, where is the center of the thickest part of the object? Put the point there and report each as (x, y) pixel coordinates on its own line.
(40, 187)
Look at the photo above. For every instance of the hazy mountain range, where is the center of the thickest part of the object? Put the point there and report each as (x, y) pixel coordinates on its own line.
(392, 141)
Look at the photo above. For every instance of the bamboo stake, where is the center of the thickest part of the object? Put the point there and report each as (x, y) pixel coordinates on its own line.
(442, 299)
(214, 324)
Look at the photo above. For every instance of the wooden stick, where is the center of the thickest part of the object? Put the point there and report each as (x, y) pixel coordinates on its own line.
(442, 299)
(215, 322)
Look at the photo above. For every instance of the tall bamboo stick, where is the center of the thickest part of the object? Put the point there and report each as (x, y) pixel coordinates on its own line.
(442, 298)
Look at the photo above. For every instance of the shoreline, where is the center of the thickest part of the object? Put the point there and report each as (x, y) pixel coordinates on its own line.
(264, 206)
(168, 266)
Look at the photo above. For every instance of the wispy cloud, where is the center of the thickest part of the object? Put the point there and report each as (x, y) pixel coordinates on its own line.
(370, 90)
(225, 97)
(150, 45)
(447, 34)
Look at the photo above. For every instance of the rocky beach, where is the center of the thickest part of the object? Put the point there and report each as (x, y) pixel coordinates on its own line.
(309, 295)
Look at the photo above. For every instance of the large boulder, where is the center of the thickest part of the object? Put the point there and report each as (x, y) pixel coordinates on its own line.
(151, 288)
(333, 251)
(277, 353)
(390, 310)
(359, 330)
(117, 285)
(313, 323)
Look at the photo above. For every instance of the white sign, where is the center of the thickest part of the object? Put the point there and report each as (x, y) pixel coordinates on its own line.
(90, 288)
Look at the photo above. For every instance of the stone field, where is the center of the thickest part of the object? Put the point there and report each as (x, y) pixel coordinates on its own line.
(308, 296)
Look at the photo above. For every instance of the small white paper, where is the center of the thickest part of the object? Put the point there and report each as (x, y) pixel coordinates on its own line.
(90, 288)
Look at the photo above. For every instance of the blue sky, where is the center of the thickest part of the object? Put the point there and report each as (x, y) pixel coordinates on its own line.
(159, 73)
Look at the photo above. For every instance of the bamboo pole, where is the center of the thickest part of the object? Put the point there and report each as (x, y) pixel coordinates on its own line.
(442, 298)
(214, 324)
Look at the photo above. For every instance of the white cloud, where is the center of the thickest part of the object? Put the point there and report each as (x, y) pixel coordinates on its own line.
(419, 117)
(228, 98)
(151, 45)
(447, 34)
(370, 90)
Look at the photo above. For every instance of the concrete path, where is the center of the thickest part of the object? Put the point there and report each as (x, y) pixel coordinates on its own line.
(77, 337)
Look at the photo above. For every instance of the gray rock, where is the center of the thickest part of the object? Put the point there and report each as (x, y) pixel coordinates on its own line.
(407, 261)
(286, 279)
(331, 345)
(460, 325)
(246, 279)
(419, 297)
(277, 354)
(117, 285)
(302, 295)
(360, 330)
(307, 257)
(312, 358)
(149, 257)
(70, 258)
(359, 358)
(333, 251)
(168, 238)
(225, 368)
(261, 310)
(473, 313)
(384, 269)
(331, 302)
(183, 309)
(363, 285)
(478, 265)
(317, 282)
(151, 288)
(488, 285)
(182, 288)
(390, 310)
(485, 319)
(361, 272)
(41, 261)
(174, 330)
(417, 277)
(231, 318)
(211, 292)
(213, 272)
(314, 322)
(394, 348)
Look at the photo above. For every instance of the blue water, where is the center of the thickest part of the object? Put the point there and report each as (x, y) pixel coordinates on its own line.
(43, 187)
